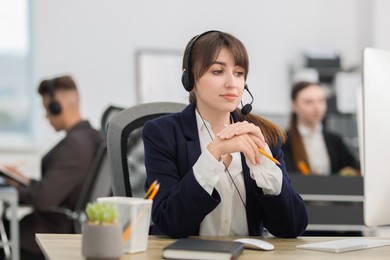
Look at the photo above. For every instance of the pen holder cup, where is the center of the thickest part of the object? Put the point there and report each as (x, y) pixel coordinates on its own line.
(134, 216)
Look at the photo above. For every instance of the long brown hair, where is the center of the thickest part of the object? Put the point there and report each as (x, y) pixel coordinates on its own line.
(205, 51)
(298, 149)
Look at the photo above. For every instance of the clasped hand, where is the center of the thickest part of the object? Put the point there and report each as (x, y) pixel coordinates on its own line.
(242, 137)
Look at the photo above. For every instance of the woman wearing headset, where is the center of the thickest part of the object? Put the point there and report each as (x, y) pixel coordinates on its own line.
(214, 181)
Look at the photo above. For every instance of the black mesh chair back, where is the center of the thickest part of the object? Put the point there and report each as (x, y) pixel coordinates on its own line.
(125, 146)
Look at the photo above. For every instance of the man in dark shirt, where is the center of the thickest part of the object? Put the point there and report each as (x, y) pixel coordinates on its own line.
(63, 169)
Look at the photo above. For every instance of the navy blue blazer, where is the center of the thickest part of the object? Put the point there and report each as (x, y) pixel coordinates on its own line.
(171, 149)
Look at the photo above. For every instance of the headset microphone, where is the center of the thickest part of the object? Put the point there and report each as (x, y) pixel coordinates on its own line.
(245, 110)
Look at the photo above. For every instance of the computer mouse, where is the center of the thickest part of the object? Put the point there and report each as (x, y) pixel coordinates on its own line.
(254, 243)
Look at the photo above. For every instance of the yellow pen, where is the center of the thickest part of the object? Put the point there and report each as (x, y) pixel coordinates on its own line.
(151, 188)
(155, 190)
(268, 156)
(303, 168)
(126, 233)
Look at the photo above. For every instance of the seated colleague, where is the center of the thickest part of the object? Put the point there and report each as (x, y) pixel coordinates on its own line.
(64, 167)
(213, 179)
(309, 147)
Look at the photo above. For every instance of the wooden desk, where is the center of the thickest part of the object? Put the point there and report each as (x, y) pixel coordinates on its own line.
(66, 246)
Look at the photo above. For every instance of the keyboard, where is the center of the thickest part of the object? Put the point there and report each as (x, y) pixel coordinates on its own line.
(345, 245)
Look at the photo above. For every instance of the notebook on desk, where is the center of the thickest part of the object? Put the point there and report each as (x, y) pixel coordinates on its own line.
(188, 248)
(345, 245)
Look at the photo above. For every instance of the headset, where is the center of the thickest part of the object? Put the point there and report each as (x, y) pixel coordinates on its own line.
(187, 79)
(54, 107)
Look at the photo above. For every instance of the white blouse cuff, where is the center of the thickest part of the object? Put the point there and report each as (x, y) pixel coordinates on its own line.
(207, 171)
(267, 175)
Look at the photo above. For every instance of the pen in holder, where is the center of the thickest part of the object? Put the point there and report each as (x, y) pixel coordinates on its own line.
(128, 227)
(134, 216)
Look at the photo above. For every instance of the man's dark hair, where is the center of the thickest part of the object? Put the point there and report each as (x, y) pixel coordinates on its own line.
(59, 83)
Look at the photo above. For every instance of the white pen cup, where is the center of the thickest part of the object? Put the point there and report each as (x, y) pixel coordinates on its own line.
(134, 216)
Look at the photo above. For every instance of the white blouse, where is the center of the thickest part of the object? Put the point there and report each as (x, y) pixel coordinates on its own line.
(316, 150)
(229, 217)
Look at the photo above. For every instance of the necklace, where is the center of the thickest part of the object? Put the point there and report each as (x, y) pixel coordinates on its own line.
(226, 168)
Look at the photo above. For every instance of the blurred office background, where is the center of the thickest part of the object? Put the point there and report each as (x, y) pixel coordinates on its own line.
(126, 52)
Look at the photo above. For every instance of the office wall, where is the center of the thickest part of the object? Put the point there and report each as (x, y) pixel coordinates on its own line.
(96, 41)
(381, 21)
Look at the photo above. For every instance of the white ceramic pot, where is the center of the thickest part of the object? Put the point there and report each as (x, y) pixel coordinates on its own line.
(102, 241)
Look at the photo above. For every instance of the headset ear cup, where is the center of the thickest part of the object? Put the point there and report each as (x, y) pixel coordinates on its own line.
(187, 78)
(186, 81)
(54, 108)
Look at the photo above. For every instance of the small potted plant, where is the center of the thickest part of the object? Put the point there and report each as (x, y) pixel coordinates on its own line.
(102, 235)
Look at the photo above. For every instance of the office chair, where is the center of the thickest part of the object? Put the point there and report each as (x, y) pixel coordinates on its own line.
(125, 146)
(107, 115)
(4, 240)
(97, 184)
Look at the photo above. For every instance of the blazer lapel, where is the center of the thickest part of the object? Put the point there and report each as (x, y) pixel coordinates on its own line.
(190, 130)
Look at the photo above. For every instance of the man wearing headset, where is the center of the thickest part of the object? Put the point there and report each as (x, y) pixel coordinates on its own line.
(63, 169)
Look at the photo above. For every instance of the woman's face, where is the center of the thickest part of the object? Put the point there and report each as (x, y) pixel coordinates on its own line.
(310, 105)
(220, 88)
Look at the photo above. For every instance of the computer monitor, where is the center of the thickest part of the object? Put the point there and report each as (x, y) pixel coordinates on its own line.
(375, 125)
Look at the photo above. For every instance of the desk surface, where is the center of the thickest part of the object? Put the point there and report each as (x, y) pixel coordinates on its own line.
(67, 246)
